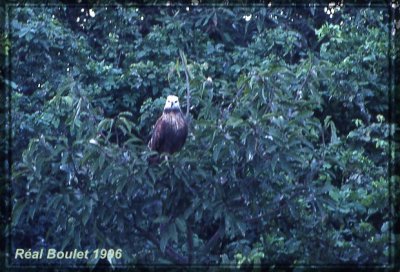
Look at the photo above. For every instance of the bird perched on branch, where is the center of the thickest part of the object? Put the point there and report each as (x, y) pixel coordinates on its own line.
(171, 129)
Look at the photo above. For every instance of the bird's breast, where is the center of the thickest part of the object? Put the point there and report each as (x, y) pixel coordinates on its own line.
(175, 121)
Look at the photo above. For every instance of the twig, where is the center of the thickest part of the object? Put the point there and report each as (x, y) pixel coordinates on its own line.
(228, 109)
(239, 93)
(184, 62)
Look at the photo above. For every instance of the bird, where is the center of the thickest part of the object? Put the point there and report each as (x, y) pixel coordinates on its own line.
(170, 131)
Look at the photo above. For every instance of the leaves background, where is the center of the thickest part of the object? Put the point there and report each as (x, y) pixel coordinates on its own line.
(290, 145)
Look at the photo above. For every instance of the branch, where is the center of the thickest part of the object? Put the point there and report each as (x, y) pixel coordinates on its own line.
(190, 241)
(184, 62)
(239, 93)
(214, 239)
(169, 251)
(226, 111)
(300, 90)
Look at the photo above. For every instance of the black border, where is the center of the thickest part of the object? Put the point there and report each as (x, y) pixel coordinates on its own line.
(394, 118)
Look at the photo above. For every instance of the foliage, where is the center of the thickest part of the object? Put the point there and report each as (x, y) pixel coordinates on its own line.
(289, 147)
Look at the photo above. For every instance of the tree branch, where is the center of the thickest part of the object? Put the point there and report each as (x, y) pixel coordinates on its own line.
(300, 90)
(184, 62)
(169, 251)
(190, 241)
(238, 94)
(214, 239)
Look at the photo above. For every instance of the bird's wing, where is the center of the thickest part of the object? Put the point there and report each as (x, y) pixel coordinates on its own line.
(157, 138)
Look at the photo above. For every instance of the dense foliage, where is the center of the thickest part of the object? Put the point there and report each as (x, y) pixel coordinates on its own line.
(288, 155)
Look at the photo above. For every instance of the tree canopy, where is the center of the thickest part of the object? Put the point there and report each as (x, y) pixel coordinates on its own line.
(290, 148)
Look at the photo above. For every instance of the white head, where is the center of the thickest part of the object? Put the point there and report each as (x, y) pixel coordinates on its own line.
(172, 103)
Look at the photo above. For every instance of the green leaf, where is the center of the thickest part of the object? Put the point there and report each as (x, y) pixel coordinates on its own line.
(68, 100)
(164, 241)
(17, 211)
(172, 233)
(85, 216)
(102, 160)
(181, 224)
(162, 219)
(234, 121)
(11, 83)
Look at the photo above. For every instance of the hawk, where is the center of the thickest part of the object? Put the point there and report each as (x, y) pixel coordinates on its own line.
(171, 129)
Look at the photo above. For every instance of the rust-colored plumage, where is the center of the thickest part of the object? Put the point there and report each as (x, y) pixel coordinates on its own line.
(170, 131)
